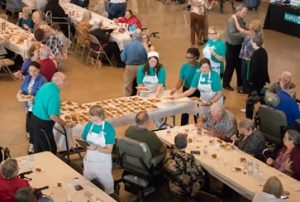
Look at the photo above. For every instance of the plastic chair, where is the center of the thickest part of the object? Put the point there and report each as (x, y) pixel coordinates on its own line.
(95, 52)
(141, 171)
(272, 123)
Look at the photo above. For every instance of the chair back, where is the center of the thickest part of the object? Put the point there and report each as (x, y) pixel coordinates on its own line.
(48, 17)
(271, 123)
(95, 42)
(135, 156)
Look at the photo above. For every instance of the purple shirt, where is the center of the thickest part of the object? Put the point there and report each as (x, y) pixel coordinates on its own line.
(25, 66)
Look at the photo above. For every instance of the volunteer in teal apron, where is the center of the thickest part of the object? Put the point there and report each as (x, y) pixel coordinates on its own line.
(152, 75)
(186, 75)
(215, 51)
(207, 82)
(98, 161)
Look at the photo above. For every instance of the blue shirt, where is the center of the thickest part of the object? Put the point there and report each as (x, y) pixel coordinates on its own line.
(289, 106)
(134, 53)
(39, 81)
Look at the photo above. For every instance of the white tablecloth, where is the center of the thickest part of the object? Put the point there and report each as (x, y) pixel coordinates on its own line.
(12, 35)
(76, 12)
(223, 166)
(53, 170)
(166, 109)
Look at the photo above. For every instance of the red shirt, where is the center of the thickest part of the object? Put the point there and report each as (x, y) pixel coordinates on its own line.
(48, 68)
(130, 21)
(9, 187)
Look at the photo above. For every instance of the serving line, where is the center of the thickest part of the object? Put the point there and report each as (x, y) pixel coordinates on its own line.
(49, 170)
(165, 108)
(235, 168)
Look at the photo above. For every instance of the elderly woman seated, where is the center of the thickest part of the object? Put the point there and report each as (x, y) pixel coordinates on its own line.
(83, 28)
(10, 182)
(131, 20)
(250, 139)
(188, 176)
(272, 191)
(25, 19)
(288, 159)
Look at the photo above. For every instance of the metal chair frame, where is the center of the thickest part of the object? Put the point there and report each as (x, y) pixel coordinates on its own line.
(95, 41)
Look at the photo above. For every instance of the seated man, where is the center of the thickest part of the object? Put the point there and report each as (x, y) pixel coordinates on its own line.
(142, 134)
(218, 121)
(288, 104)
(10, 182)
(109, 46)
(276, 87)
(187, 172)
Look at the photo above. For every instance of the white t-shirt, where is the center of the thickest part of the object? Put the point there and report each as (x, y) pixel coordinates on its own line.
(117, 1)
(265, 197)
(198, 6)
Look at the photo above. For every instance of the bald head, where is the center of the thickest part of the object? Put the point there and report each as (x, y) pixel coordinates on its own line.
(142, 118)
(59, 79)
(285, 78)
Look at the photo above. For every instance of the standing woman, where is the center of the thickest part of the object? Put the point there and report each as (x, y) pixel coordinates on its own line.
(100, 134)
(197, 20)
(207, 82)
(186, 75)
(152, 75)
(215, 51)
(31, 84)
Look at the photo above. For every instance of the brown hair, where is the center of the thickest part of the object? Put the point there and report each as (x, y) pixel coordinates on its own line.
(147, 66)
(98, 111)
(273, 186)
(205, 61)
(256, 25)
(31, 49)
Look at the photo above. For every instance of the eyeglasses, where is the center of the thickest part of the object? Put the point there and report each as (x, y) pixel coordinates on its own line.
(212, 32)
(189, 57)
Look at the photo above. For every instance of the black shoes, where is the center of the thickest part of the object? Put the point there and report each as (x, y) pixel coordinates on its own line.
(228, 88)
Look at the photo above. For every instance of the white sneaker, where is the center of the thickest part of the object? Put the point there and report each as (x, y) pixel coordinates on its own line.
(30, 149)
(243, 110)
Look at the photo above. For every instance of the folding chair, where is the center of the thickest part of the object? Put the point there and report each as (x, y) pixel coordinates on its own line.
(79, 45)
(5, 64)
(69, 151)
(95, 52)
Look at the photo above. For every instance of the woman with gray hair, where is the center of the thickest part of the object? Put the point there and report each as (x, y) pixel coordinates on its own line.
(250, 139)
(83, 28)
(10, 182)
(288, 159)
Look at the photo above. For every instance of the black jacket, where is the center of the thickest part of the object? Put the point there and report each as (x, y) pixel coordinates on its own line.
(259, 75)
